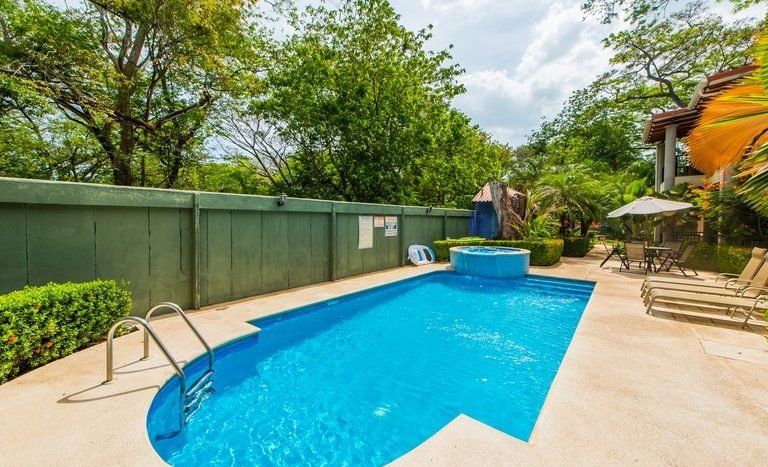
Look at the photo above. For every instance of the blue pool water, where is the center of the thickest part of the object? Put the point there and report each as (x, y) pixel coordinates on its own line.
(488, 250)
(364, 379)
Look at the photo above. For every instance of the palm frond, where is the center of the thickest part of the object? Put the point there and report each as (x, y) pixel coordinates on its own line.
(755, 190)
(730, 126)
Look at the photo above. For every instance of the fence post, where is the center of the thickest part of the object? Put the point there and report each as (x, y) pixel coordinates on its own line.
(333, 258)
(445, 224)
(196, 251)
(402, 237)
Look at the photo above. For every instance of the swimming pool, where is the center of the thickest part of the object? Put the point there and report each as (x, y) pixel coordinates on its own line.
(363, 379)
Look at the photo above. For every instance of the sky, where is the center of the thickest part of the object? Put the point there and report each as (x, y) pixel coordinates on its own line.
(522, 58)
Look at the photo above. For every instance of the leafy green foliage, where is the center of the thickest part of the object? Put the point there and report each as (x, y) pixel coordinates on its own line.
(576, 247)
(575, 197)
(725, 212)
(139, 77)
(661, 59)
(543, 252)
(40, 324)
(642, 11)
(719, 258)
(227, 178)
(540, 221)
(364, 106)
(590, 130)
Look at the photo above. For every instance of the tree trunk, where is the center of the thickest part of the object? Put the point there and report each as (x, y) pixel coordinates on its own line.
(504, 207)
(585, 223)
(121, 165)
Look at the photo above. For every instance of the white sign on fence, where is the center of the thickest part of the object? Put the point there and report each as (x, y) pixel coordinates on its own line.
(390, 226)
(365, 232)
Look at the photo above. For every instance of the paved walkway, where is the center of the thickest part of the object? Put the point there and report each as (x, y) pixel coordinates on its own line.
(633, 388)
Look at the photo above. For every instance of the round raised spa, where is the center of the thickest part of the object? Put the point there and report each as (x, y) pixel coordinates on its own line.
(488, 261)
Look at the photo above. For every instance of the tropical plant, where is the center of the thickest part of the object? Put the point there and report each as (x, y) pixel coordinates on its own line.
(538, 222)
(574, 196)
(733, 130)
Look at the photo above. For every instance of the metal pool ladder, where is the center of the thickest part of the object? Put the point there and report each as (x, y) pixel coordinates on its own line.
(189, 400)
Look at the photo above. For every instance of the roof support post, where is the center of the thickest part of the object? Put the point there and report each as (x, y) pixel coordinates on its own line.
(670, 141)
(659, 165)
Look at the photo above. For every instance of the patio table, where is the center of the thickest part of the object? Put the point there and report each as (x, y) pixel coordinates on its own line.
(651, 253)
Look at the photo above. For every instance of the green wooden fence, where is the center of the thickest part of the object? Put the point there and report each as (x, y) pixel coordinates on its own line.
(194, 248)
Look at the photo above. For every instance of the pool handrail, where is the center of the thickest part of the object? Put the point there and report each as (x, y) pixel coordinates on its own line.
(148, 331)
(176, 308)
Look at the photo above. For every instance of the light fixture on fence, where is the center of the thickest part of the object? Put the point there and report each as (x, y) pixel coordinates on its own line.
(281, 199)
(429, 209)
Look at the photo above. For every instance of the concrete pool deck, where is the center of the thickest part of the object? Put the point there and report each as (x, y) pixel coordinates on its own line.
(633, 388)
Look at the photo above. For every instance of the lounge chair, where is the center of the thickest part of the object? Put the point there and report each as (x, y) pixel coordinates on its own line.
(748, 301)
(420, 255)
(747, 274)
(729, 288)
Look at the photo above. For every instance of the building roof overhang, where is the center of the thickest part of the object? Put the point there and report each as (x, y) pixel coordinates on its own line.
(686, 118)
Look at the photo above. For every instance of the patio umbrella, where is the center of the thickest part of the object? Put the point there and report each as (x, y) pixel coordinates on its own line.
(648, 205)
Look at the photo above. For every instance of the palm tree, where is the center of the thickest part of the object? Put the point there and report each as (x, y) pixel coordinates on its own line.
(733, 126)
(573, 195)
(539, 220)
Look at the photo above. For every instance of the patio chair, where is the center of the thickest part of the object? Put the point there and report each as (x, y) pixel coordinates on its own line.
(748, 301)
(731, 287)
(674, 246)
(680, 260)
(633, 253)
(756, 260)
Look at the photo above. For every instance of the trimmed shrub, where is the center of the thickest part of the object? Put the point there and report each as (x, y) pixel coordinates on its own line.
(543, 252)
(576, 247)
(719, 258)
(41, 324)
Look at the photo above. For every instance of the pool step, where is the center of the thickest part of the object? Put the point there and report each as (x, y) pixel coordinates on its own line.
(559, 286)
(197, 393)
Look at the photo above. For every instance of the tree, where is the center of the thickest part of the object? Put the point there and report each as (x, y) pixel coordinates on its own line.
(590, 131)
(659, 61)
(361, 99)
(139, 75)
(35, 142)
(638, 11)
(462, 158)
(253, 141)
(221, 177)
(574, 196)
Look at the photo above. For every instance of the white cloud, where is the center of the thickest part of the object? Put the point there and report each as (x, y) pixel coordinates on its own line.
(446, 6)
(565, 54)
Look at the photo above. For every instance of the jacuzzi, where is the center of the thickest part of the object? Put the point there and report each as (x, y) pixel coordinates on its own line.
(490, 261)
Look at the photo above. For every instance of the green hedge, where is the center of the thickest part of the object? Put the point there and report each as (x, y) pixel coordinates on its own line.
(576, 247)
(40, 324)
(543, 252)
(719, 258)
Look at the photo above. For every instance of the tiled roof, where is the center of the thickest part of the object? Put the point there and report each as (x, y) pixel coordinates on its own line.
(686, 118)
(484, 195)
